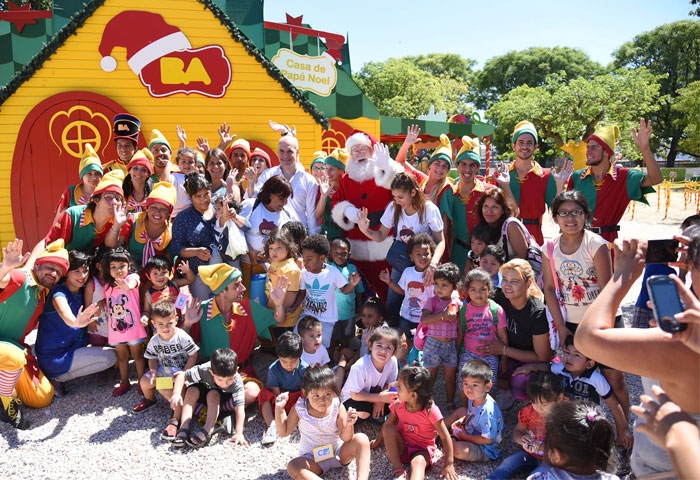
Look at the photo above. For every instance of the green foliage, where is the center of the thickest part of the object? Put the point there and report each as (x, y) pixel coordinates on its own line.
(696, 12)
(448, 65)
(672, 50)
(571, 110)
(529, 67)
(400, 88)
(687, 106)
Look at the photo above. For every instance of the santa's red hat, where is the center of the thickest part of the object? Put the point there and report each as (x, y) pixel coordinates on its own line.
(146, 37)
(359, 137)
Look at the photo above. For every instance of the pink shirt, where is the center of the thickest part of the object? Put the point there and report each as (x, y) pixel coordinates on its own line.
(480, 326)
(124, 313)
(417, 428)
(442, 328)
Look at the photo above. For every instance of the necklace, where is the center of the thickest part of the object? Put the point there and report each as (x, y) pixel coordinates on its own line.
(598, 183)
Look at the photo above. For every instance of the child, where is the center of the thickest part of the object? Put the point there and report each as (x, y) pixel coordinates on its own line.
(348, 304)
(420, 250)
(284, 375)
(477, 430)
(544, 391)
(414, 422)
(578, 445)
(297, 231)
(282, 252)
(311, 333)
(98, 331)
(327, 434)
(480, 237)
(157, 271)
(481, 319)
(186, 161)
(214, 383)
(373, 315)
(231, 223)
(440, 315)
(367, 387)
(319, 283)
(126, 325)
(491, 260)
(169, 351)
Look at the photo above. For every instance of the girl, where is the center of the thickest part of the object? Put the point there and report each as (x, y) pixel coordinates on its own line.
(578, 445)
(528, 329)
(373, 314)
(478, 323)
(90, 173)
(544, 390)
(326, 429)
(490, 261)
(280, 249)
(408, 214)
(186, 162)
(138, 182)
(97, 329)
(126, 325)
(412, 426)
(440, 315)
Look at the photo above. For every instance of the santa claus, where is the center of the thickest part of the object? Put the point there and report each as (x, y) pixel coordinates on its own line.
(366, 184)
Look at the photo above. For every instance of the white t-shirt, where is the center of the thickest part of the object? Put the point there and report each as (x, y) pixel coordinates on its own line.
(173, 354)
(411, 224)
(364, 376)
(182, 200)
(319, 358)
(260, 222)
(320, 293)
(416, 294)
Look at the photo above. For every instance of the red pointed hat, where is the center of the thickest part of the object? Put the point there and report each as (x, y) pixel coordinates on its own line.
(146, 37)
(359, 137)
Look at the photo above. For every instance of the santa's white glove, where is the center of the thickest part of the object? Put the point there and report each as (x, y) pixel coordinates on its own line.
(382, 157)
(351, 213)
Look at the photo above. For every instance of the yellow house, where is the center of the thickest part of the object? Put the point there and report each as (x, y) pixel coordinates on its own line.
(168, 62)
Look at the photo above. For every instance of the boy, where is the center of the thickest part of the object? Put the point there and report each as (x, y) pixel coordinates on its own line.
(284, 375)
(169, 351)
(477, 430)
(348, 305)
(371, 377)
(311, 333)
(157, 270)
(319, 283)
(213, 383)
(491, 260)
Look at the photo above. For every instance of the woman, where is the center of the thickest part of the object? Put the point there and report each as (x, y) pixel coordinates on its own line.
(259, 162)
(195, 237)
(459, 204)
(335, 168)
(528, 329)
(494, 209)
(90, 173)
(218, 170)
(146, 233)
(138, 183)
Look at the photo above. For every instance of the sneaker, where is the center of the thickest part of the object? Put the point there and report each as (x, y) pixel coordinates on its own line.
(59, 388)
(144, 405)
(121, 389)
(13, 415)
(270, 435)
(170, 431)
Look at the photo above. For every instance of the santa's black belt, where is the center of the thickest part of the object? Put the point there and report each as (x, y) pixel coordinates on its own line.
(530, 221)
(606, 228)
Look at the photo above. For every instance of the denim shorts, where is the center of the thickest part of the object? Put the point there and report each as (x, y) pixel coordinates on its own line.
(437, 353)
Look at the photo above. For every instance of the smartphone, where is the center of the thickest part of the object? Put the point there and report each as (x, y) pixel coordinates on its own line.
(666, 303)
(662, 251)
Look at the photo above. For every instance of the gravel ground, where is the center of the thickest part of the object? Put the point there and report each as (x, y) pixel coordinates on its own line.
(89, 433)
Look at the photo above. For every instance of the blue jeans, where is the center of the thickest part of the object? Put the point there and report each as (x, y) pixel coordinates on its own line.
(520, 462)
(393, 299)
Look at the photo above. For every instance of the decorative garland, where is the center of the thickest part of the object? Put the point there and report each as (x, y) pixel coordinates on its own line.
(80, 17)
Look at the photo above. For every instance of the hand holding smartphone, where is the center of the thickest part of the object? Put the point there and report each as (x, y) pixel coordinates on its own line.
(666, 303)
(662, 251)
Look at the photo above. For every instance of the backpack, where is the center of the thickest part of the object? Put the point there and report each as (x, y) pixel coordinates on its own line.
(534, 251)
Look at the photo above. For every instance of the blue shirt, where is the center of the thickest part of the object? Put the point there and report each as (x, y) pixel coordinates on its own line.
(486, 421)
(284, 380)
(346, 302)
(191, 230)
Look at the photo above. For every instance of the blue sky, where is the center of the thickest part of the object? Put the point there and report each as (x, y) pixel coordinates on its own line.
(381, 29)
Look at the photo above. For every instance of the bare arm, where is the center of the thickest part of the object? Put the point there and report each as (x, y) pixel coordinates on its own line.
(641, 138)
(285, 424)
(517, 240)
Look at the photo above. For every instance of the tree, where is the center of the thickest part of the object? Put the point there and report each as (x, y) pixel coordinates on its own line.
(687, 104)
(529, 67)
(449, 65)
(571, 110)
(399, 88)
(695, 12)
(672, 50)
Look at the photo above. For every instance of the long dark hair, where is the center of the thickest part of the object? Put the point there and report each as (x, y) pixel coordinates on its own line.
(128, 187)
(500, 197)
(217, 152)
(407, 183)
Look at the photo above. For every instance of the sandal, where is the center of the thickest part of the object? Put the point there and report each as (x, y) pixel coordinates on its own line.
(195, 440)
(399, 474)
(144, 405)
(170, 432)
(181, 437)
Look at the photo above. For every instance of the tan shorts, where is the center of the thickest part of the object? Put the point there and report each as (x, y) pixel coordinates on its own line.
(476, 454)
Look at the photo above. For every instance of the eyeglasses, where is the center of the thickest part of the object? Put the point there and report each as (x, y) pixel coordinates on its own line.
(110, 197)
(318, 168)
(571, 214)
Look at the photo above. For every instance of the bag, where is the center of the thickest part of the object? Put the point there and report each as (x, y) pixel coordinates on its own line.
(397, 256)
(553, 334)
(534, 252)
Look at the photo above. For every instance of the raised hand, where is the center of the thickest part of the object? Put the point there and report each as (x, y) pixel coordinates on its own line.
(362, 220)
(412, 135)
(643, 134)
(279, 290)
(203, 144)
(12, 256)
(562, 176)
(381, 154)
(120, 215)
(181, 135)
(281, 400)
(224, 132)
(193, 312)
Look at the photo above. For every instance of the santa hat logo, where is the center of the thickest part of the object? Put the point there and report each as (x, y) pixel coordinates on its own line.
(146, 37)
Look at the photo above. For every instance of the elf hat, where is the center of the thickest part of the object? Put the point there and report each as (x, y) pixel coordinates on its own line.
(338, 158)
(524, 127)
(238, 143)
(319, 157)
(606, 137)
(163, 193)
(443, 152)
(55, 253)
(360, 138)
(199, 157)
(218, 276)
(259, 152)
(471, 150)
(90, 162)
(111, 182)
(142, 157)
(156, 138)
(126, 126)
(146, 37)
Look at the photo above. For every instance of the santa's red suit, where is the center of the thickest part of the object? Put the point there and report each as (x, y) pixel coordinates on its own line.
(366, 184)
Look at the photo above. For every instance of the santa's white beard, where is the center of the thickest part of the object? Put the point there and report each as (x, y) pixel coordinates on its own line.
(361, 171)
